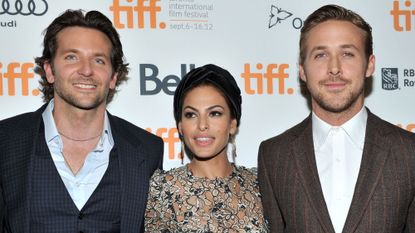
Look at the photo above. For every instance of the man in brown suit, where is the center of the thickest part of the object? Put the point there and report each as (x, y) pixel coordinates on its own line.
(342, 169)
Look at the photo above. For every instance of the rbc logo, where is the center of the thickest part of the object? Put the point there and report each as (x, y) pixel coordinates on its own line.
(389, 78)
(149, 75)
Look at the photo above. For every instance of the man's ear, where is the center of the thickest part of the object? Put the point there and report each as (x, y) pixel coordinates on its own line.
(50, 76)
(370, 66)
(302, 73)
(113, 82)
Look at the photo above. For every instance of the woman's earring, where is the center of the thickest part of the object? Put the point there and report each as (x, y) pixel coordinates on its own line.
(232, 140)
(182, 153)
(182, 148)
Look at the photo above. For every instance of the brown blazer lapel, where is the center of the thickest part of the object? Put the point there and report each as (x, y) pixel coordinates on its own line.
(303, 151)
(375, 153)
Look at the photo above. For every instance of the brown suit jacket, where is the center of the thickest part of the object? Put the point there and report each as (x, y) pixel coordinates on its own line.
(384, 196)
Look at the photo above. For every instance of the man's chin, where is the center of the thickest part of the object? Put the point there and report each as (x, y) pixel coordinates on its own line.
(85, 105)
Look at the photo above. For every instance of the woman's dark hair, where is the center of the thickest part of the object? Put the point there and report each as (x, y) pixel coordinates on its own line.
(214, 76)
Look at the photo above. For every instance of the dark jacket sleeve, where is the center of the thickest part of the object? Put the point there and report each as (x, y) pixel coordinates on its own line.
(2, 211)
(272, 211)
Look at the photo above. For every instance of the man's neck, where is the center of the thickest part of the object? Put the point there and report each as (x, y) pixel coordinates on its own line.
(79, 123)
(337, 118)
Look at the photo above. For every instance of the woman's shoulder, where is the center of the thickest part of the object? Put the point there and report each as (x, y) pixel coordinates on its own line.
(168, 175)
(176, 171)
(247, 170)
(247, 173)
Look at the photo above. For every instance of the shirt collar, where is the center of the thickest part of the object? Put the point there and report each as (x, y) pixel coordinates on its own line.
(51, 132)
(355, 128)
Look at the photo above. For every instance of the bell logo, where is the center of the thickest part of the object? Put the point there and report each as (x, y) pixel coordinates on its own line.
(399, 14)
(15, 70)
(151, 83)
(170, 138)
(140, 9)
(272, 72)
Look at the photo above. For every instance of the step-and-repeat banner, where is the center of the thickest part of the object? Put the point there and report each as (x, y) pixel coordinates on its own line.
(257, 41)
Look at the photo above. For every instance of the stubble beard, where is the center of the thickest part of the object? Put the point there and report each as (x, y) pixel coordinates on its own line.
(337, 106)
(74, 101)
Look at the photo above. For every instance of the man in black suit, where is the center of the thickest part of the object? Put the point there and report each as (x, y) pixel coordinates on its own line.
(71, 166)
(342, 169)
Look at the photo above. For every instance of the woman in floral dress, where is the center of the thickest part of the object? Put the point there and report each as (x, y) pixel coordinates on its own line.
(209, 194)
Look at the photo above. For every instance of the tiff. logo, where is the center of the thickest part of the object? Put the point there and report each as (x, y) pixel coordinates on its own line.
(272, 72)
(15, 71)
(135, 15)
(398, 13)
(171, 139)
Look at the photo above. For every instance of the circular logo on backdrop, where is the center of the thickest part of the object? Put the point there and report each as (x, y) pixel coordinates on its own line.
(24, 8)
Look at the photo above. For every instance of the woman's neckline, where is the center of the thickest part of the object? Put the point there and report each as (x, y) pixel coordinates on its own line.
(231, 174)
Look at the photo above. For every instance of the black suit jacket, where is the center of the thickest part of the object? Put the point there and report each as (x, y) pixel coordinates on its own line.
(140, 153)
(384, 196)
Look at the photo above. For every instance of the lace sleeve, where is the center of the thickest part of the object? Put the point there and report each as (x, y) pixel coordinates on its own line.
(156, 216)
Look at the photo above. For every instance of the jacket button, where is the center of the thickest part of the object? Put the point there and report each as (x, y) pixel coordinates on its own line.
(80, 216)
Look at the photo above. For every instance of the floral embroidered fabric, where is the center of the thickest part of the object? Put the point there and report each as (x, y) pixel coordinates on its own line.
(181, 202)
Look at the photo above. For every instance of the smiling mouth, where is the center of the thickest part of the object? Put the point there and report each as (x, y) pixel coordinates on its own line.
(203, 141)
(85, 86)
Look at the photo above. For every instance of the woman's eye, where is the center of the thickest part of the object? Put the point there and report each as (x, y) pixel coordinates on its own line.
(215, 113)
(189, 114)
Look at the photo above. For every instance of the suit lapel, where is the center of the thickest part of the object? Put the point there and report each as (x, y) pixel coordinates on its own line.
(134, 178)
(374, 156)
(24, 186)
(307, 169)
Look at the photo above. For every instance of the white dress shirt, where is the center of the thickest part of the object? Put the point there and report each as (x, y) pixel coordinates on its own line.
(80, 186)
(338, 151)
